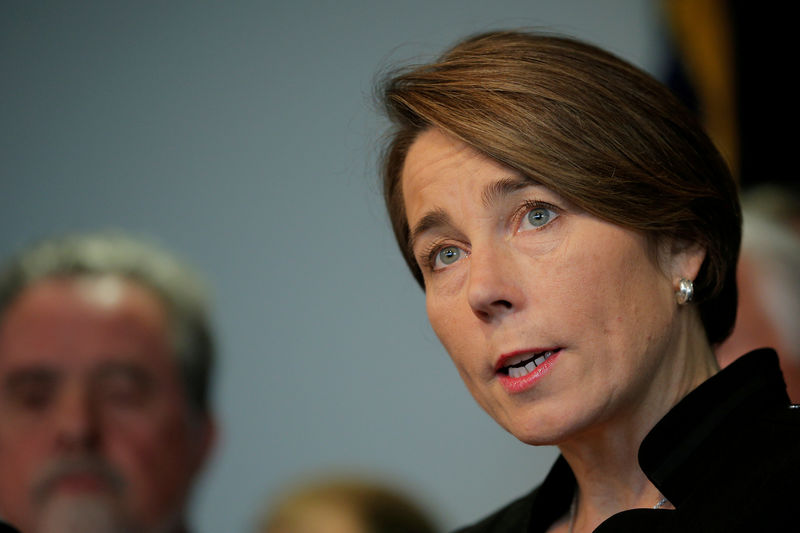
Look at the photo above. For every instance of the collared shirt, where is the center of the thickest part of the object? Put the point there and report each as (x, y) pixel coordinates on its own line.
(727, 457)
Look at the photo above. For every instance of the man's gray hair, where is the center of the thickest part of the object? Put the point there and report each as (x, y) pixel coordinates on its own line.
(180, 289)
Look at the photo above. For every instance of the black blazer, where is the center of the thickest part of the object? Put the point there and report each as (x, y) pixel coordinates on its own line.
(727, 457)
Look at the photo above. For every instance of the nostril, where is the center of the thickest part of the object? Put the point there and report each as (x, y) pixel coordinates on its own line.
(497, 306)
(503, 303)
(482, 315)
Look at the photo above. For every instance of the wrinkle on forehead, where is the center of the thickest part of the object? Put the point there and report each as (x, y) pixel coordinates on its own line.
(433, 149)
(433, 152)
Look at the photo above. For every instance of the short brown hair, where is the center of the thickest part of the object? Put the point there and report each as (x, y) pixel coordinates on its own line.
(587, 125)
(380, 508)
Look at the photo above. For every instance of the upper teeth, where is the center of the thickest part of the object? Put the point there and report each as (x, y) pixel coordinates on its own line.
(527, 368)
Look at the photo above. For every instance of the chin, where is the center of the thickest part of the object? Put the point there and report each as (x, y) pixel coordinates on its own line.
(538, 437)
(537, 429)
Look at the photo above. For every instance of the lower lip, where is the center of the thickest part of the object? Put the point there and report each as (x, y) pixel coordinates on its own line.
(528, 381)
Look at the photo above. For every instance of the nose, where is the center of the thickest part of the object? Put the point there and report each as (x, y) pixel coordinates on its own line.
(494, 283)
(76, 420)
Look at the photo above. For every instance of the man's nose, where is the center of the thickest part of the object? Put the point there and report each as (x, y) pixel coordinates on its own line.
(76, 419)
(493, 286)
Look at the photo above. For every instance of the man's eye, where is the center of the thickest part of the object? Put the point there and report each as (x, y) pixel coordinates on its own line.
(125, 387)
(31, 391)
(447, 256)
(122, 395)
(538, 217)
(33, 398)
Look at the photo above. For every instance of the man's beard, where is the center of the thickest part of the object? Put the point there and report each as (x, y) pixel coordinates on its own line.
(91, 511)
(84, 513)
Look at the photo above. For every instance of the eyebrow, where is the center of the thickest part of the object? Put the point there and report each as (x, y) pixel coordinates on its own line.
(29, 375)
(129, 371)
(433, 219)
(492, 193)
(503, 188)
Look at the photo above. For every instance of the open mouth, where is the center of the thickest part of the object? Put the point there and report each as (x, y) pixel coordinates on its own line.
(523, 364)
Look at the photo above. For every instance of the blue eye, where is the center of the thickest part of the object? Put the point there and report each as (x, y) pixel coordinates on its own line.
(447, 256)
(538, 217)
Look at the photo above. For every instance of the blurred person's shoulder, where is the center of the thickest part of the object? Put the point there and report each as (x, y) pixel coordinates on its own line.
(5, 528)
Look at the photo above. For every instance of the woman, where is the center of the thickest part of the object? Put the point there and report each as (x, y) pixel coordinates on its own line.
(576, 235)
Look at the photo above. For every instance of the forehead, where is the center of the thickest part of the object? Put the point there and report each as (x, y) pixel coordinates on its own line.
(438, 163)
(84, 321)
(435, 151)
(434, 148)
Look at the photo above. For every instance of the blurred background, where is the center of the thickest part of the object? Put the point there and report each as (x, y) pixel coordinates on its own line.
(244, 136)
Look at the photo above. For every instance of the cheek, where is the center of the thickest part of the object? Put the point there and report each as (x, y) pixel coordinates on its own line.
(23, 449)
(616, 279)
(152, 454)
(22, 455)
(631, 302)
(458, 331)
(449, 324)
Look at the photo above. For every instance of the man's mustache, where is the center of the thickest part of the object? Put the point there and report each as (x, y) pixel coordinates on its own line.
(59, 469)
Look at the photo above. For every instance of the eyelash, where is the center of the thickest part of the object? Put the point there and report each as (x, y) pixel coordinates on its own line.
(430, 252)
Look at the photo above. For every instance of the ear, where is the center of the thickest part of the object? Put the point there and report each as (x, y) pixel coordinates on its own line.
(685, 260)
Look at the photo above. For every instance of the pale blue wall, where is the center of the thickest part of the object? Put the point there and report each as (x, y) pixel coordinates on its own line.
(243, 135)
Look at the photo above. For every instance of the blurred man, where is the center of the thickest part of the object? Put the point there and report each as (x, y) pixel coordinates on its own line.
(105, 356)
(769, 282)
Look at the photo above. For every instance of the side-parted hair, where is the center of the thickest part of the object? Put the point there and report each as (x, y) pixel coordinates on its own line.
(179, 288)
(587, 125)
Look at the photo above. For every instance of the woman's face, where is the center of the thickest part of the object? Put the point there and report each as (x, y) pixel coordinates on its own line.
(557, 321)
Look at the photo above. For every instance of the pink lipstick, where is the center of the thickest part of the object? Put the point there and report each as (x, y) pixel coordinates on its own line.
(520, 370)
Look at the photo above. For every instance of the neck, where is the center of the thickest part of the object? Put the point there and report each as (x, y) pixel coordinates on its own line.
(604, 458)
